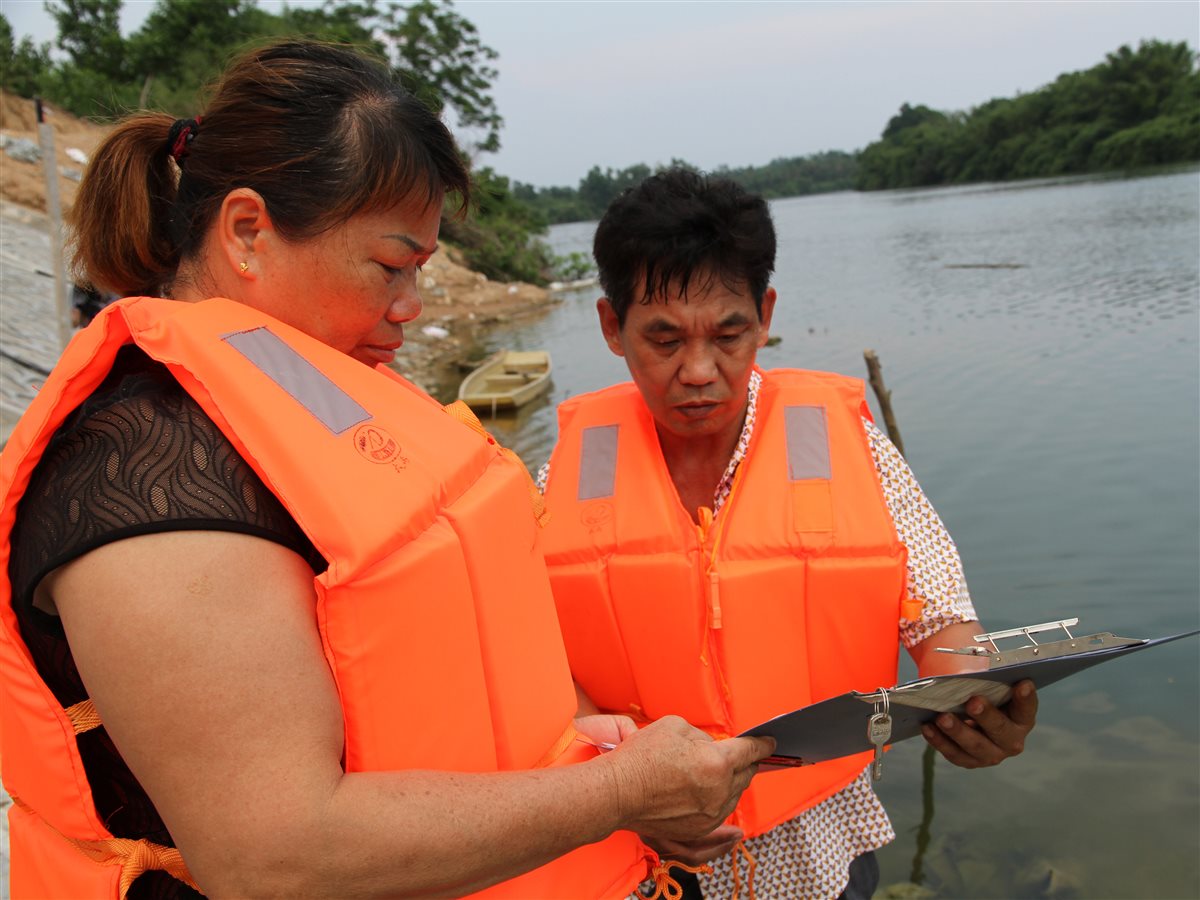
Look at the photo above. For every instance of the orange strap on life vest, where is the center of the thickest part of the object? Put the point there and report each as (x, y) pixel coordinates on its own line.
(665, 885)
(83, 716)
(559, 747)
(459, 411)
(740, 849)
(134, 857)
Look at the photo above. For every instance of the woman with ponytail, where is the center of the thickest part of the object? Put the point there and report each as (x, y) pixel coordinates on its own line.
(273, 622)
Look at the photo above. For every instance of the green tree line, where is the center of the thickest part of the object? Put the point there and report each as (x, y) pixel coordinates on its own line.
(833, 170)
(1138, 108)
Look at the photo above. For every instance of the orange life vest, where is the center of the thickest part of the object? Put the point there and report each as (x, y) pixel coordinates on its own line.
(435, 612)
(792, 594)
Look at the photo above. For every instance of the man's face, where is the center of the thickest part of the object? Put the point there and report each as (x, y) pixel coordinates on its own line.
(692, 358)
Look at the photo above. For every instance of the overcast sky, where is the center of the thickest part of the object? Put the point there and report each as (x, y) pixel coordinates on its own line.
(615, 83)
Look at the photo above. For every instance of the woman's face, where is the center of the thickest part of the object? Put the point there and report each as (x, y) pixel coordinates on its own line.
(355, 285)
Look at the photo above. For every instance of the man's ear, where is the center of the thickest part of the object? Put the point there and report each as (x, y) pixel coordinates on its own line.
(764, 318)
(243, 230)
(610, 326)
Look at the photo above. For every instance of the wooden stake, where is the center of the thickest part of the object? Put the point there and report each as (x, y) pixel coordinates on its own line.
(884, 396)
(54, 210)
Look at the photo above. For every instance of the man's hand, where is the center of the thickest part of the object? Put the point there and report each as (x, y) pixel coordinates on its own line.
(703, 850)
(602, 728)
(990, 735)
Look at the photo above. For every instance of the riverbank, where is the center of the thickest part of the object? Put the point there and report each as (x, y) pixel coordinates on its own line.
(460, 306)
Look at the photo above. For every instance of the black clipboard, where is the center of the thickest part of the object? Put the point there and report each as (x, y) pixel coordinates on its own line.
(838, 726)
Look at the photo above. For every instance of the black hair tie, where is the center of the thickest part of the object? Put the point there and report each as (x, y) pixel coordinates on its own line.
(180, 137)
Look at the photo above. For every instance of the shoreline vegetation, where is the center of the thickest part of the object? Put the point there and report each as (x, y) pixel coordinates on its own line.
(1139, 108)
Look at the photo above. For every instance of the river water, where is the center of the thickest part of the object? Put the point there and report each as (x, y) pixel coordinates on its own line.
(1040, 340)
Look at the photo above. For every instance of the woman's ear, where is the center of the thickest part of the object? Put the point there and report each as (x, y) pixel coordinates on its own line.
(243, 230)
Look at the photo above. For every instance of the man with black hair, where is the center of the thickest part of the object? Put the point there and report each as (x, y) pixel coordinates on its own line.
(728, 544)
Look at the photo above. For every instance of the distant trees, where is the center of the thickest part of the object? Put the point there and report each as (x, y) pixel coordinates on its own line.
(183, 44)
(586, 201)
(785, 177)
(1137, 108)
(911, 117)
(832, 170)
(441, 59)
(21, 64)
(497, 238)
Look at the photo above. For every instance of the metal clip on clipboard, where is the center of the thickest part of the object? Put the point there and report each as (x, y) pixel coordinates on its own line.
(1033, 650)
(986, 645)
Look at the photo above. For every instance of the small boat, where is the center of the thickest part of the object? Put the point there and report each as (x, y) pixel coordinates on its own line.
(506, 380)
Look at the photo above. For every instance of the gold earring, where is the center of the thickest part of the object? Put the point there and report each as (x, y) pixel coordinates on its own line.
(243, 267)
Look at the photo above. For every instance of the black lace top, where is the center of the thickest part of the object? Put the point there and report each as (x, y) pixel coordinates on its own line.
(138, 457)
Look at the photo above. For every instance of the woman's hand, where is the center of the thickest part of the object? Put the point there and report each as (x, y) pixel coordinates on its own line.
(674, 783)
(610, 729)
(990, 735)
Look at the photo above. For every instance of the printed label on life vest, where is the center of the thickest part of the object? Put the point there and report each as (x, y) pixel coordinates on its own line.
(377, 446)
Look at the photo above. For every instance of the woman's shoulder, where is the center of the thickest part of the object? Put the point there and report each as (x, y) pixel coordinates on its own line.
(139, 456)
(138, 390)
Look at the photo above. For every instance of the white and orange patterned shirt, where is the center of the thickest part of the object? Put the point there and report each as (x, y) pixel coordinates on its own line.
(810, 856)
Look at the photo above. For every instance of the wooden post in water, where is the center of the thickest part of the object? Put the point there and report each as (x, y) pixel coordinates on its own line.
(884, 396)
(929, 757)
(54, 211)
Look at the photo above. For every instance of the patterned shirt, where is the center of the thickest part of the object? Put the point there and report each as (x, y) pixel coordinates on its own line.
(810, 856)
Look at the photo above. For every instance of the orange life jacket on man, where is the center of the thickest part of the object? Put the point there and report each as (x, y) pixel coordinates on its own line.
(435, 612)
(791, 595)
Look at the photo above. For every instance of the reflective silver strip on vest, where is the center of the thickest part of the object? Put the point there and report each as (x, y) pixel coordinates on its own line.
(598, 462)
(807, 442)
(333, 407)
